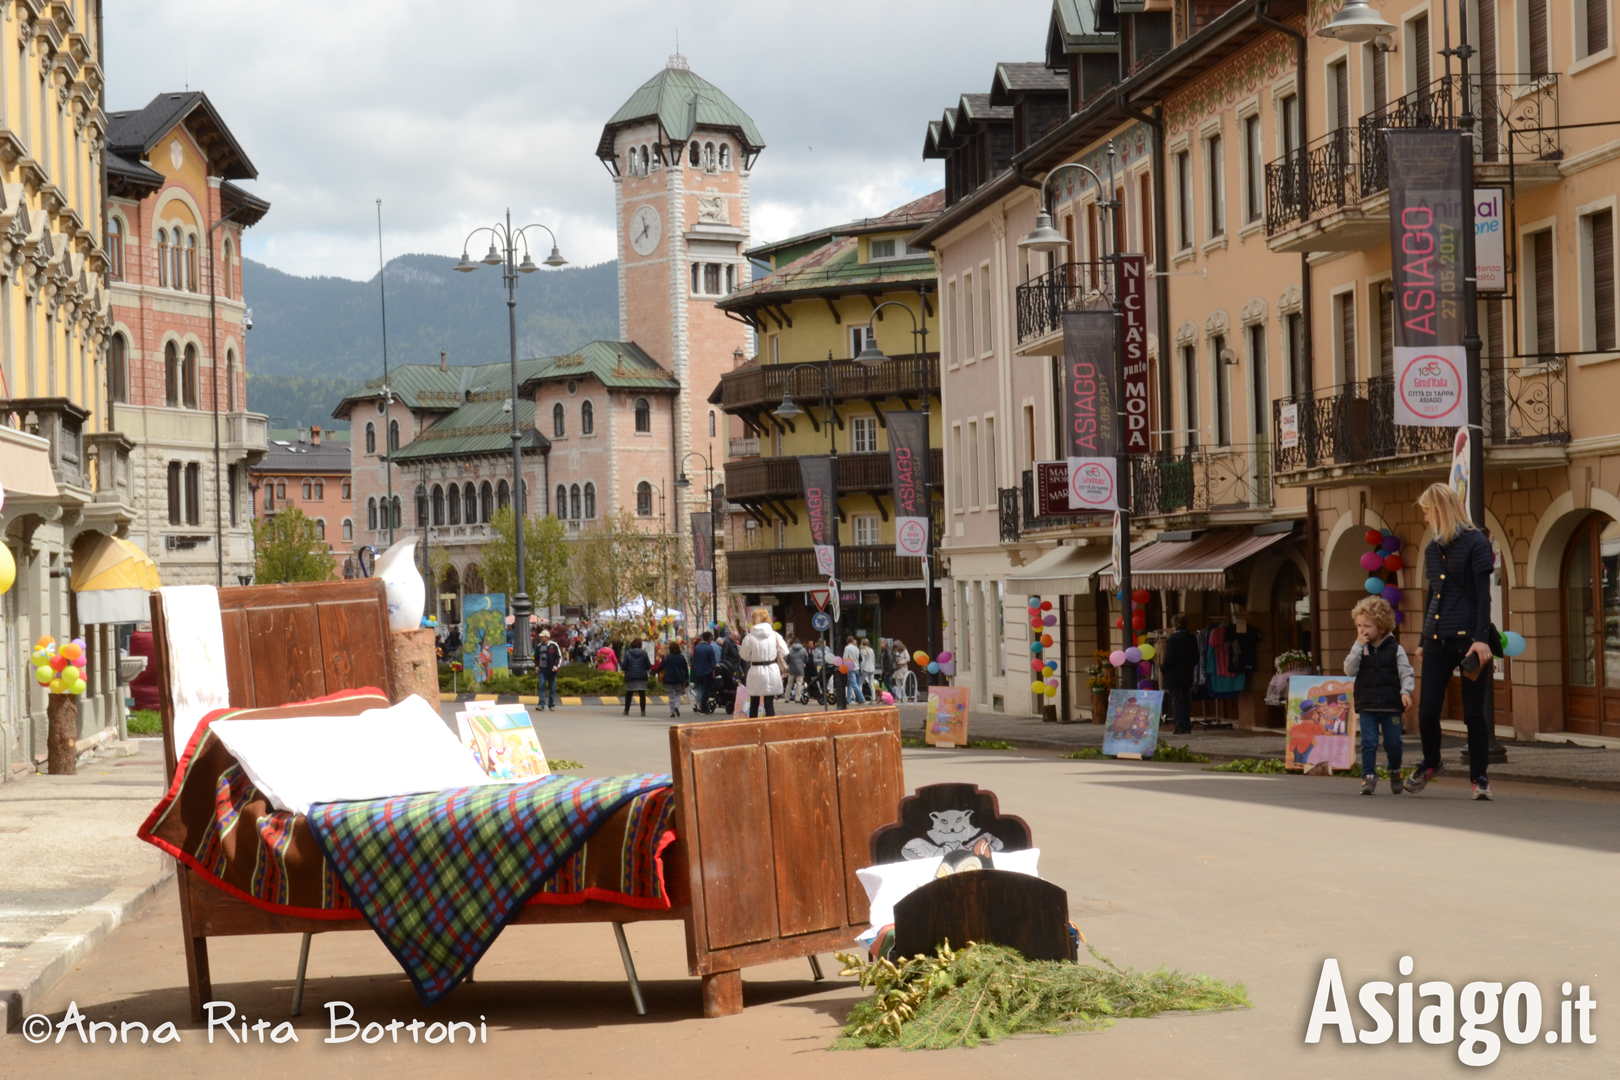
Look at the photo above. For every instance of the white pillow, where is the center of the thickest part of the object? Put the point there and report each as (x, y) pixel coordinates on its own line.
(887, 883)
(401, 750)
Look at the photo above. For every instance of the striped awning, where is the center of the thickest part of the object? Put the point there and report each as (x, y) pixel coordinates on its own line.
(1202, 563)
(112, 580)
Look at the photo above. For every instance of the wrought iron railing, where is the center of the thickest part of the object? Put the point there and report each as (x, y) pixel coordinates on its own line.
(1028, 521)
(1525, 404)
(1516, 119)
(1043, 300)
(1007, 503)
(1201, 479)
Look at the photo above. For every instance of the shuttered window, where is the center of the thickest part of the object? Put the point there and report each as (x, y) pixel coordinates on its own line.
(1386, 331)
(175, 496)
(1184, 201)
(1340, 74)
(1347, 335)
(1601, 247)
(193, 494)
(1420, 51)
(1145, 205)
(1539, 60)
(1189, 383)
(1592, 27)
(1380, 78)
(1223, 390)
(1541, 291)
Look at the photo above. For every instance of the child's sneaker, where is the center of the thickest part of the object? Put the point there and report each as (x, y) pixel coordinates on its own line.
(1482, 790)
(1395, 785)
(1420, 778)
(1369, 784)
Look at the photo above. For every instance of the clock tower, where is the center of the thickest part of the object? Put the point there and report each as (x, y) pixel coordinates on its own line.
(680, 152)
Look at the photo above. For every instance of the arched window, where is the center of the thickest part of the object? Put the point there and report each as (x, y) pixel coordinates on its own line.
(438, 505)
(486, 501)
(644, 161)
(590, 501)
(281, 490)
(306, 491)
(643, 415)
(348, 530)
(421, 506)
(692, 153)
(163, 258)
(393, 435)
(453, 504)
(188, 378)
(561, 507)
(371, 437)
(320, 490)
(644, 499)
(225, 278)
(708, 157)
(115, 247)
(697, 277)
(118, 368)
(711, 423)
(230, 380)
(346, 495)
(725, 155)
(177, 255)
(371, 514)
(191, 262)
(573, 502)
(469, 503)
(171, 376)
(320, 528)
(503, 496)
(399, 518)
(630, 162)
(559, 421)
(269, 496)
(587, 418)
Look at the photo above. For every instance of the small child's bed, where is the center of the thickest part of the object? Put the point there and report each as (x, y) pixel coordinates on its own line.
(753, 841)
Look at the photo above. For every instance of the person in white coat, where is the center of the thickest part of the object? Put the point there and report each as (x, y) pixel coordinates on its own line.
(763, 650)
(868, 670)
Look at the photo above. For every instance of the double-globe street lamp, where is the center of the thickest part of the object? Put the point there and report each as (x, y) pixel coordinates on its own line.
(1045, 238)
(509, 240)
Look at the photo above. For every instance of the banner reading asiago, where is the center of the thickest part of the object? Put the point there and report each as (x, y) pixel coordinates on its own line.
(908, 463)
(1089, 420)
(1425, 223)
(819, 492)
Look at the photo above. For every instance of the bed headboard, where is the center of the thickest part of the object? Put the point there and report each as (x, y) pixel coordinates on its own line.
(286, 643)
(777, 815)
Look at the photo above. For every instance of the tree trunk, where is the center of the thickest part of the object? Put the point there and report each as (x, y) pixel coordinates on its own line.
(62, 740)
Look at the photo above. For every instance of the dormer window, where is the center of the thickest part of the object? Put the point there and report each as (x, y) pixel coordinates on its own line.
(883, 249)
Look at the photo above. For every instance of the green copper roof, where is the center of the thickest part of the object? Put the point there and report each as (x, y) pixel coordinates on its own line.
(681, 101)
(478, 427)
(617, 365)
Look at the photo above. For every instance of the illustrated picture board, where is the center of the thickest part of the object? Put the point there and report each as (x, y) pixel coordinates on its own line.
(947, 716)
(1133, 722)
(1321, 723)
(503, 741)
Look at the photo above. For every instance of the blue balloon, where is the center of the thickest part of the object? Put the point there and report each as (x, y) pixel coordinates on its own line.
(1375, 586)
(1514, 645)
(933, 667)
(1036, 648)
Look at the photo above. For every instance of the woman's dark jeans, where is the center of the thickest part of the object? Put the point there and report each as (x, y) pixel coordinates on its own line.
(1440, 659)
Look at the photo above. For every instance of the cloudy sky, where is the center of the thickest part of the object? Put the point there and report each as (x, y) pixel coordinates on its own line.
(450, 112)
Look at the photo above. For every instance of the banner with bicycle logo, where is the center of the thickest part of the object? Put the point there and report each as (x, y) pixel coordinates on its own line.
(1425, 223)
(1431, 387)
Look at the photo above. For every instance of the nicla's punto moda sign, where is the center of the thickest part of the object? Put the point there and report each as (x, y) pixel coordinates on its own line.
(1425, 222)
(1089, 418)
(908, 463)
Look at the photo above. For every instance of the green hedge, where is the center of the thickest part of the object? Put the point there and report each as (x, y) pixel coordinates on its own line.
(573, 680)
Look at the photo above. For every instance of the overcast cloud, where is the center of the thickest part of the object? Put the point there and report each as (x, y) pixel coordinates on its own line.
(450, 112)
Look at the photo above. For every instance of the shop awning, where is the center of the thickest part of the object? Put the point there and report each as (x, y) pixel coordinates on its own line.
(112, 581)
(1065, 571)
(1204, 563)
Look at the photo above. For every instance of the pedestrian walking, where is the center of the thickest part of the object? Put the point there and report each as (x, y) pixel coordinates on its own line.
(766, 654)
(1176, 670)
(1456, 634)
(704, 658)
(731, 656)
(868, 670)
(607, 659)
(798, 656)
(852, 681)
(547, 659)
(886, 664)
(1383, 692)
(637, 665)
(673, 670)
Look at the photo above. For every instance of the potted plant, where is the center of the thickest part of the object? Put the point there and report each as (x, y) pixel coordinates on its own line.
(1100, 678)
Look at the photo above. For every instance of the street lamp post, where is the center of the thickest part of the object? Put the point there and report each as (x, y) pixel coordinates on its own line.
(871, 356)
(1045, 238)
(681, 484)
(510, 240)
(787, 411)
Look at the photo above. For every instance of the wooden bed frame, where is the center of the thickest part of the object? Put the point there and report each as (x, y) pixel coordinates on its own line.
(774, 816)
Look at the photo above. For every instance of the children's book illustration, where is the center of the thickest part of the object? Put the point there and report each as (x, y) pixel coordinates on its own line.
(1321, 715)
(947, 716)
(503, 741)
(1133, 722)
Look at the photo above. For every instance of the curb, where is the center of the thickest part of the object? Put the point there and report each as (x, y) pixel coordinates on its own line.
(562, 699)
(31, 973)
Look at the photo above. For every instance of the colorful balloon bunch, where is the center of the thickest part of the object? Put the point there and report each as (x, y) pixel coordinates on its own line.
(939, 665)
(1384, 557)
(1043, 664)
(1142, 653)
(60, 669)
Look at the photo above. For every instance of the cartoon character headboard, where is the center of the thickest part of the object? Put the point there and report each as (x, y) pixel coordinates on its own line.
(946, 817)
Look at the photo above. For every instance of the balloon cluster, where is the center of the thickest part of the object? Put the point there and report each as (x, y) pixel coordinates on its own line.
(941, 664)
(1044, 665)
(1142, 653)
(60, 669)
(1384, 557)
(1512, 643)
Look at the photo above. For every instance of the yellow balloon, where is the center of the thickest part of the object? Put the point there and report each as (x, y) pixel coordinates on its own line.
(58, 686)
(1039, 687)
(8, 568)
(1149, 652)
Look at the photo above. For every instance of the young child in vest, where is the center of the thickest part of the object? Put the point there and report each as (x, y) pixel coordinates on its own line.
(1383, 691)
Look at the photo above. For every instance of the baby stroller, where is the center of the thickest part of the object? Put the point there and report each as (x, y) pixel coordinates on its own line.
(722, 691)
(810, 690)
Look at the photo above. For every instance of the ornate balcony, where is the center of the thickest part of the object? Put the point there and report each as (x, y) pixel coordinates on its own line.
(1018, 518)
(754, 391)
(61, 424)
(1043, 301)
(795, 568)
(1333, 193)
(1350, 430)
(758, 479)
(1201, 480)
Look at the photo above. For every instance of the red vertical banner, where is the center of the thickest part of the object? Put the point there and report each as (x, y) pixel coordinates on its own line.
(1132, 285)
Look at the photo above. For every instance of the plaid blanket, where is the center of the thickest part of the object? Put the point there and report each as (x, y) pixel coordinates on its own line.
(438, 876)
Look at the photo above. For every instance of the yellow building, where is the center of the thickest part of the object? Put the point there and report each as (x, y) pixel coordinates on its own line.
(816, 310)
(65, 473)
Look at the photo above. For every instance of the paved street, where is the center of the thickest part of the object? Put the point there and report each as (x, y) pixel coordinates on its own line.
(1251, 878)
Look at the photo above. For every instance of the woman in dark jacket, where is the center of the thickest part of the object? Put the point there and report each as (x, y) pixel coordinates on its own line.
(1176, 669)
(672, 669)
(1456, 633)
(636, 665)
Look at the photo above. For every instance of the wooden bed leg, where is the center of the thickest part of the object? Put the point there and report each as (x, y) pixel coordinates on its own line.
(298, 986)
(630, 970)
(722, 993)
(815, 968)
(200, 986)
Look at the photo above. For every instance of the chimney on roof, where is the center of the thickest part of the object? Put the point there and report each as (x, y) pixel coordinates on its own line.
(315, 435)
(303, 435)
(443, 365)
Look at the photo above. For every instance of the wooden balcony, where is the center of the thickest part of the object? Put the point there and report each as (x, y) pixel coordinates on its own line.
(753, 391)
(778, 478)
(783, 568)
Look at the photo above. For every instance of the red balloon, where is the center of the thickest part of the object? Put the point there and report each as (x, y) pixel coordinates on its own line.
(1374, 537)
(1120, 623)
(1141, 596)
(1392, 563)
(1046, 605)
(58, 662)
(1139, 620)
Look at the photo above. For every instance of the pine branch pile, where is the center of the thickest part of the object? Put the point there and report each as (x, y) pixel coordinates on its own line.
(957, 998)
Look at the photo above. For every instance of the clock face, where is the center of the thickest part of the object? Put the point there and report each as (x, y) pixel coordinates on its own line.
(645, 230)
